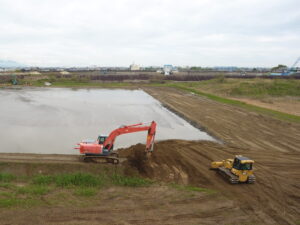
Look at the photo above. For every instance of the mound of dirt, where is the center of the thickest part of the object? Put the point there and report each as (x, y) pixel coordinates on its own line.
(273, 199)
(179, 161)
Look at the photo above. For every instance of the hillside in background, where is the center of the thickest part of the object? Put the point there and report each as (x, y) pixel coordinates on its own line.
(9, 64)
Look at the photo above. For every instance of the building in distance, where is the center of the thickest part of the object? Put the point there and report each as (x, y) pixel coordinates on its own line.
(134, 67)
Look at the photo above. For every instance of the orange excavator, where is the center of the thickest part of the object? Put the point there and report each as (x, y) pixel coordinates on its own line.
(102, 149)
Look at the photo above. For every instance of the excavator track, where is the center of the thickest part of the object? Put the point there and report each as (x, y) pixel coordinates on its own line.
(227, 175)
(100, 159)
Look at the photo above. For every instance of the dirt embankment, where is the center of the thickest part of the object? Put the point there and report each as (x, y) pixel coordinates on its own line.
(274, 199)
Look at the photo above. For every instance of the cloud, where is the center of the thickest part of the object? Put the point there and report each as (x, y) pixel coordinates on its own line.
(118, 32)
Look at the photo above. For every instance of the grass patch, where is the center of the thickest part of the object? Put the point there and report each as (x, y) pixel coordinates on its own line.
(192, 188)
(272, 88)
(78, 83)
(9, 202)
(6, 177)
(7, 185)
(42, 180)
(67, 180)
(12, 202)
(7, 194)
(120, 180)
(85, 192)
(77, 179)
(90, 180)
(257, 87)
(33, 190)
(73, 185)
(270, 112)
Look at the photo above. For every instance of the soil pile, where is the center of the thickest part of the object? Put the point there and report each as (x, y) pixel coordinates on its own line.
(273, 199)
(184, 162)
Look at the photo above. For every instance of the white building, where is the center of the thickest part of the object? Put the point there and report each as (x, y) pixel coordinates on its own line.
(167, 69)
(134, 67)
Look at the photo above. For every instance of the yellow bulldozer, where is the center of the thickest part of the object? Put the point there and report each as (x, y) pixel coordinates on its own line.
(237, 170)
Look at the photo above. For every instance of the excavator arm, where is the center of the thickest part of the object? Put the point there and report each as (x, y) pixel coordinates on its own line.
(132, 129)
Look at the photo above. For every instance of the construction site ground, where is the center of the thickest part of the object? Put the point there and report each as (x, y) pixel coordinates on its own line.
(273, 199)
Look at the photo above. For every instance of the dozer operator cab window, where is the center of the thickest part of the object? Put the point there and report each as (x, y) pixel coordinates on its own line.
(101, 139)
(241, 166)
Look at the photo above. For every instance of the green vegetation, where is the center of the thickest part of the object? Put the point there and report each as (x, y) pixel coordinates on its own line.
(76, 82)
(279, 67)
(257, 88)
(90, 180)
(69, 188)
(130, 181)
(72, 83)
(13, 202)
(42, 179)
(6, 185)
(28, 193)
(77, 179)
(33, 190)
(274, 88)
(85, 192)
(5, 177)
(196, 68)
(270, 112)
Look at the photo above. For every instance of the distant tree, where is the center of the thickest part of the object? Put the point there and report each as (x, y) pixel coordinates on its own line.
(195, 68)
(279, 67)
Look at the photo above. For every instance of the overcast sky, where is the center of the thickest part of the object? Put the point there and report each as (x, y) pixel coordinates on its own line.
(150, 32)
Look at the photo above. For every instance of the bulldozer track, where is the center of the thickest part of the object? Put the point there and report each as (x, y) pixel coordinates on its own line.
(227, 175)
(251, 179)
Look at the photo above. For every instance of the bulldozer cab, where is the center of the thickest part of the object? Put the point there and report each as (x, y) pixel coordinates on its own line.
(101, 139)
(242, 163)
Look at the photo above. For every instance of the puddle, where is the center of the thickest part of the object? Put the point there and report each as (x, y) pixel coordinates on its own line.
(53, 120)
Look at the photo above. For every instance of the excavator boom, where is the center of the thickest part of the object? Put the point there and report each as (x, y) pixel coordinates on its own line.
(132, 129)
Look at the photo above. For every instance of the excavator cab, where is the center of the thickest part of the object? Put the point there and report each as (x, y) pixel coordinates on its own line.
(101, 139)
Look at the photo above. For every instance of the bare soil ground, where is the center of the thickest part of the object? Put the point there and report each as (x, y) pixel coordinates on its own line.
(274, 199)
(284, 104)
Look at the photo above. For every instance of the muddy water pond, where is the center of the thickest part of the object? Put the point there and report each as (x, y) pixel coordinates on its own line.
(53, 120)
